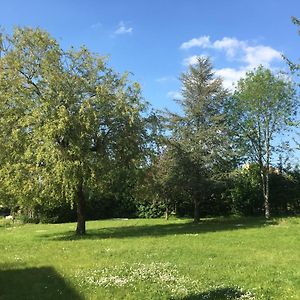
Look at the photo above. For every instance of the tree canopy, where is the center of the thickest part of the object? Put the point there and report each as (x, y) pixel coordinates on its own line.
(75, 134)
(200, 139)
(67, 120)
(264, 105)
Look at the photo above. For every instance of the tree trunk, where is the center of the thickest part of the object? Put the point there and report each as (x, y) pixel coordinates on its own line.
(265, 189)
(267, 206)
(196, 211)
(167, 213)
(80, 230)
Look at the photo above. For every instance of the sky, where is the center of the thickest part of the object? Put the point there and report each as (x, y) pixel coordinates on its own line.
(157, 40)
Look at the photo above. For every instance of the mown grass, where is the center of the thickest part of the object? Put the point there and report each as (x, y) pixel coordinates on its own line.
(234, 258)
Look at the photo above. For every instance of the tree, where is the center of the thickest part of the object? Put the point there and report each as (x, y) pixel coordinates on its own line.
(263, 106)
(200, 137)
(243, 192)
(68, 122)
(294, 67)
(167, 179)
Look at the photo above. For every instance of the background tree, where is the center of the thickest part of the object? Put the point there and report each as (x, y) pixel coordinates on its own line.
(200, 137)
(68, 122)
(263, 106)
(294, 67)
(243, 191)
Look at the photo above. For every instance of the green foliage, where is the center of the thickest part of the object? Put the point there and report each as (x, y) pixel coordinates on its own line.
(151, 210)
(244, 193)
(263, 102)
(263, 106)
(70, 125)
(199, 145)
(76, 134)
(285, 192)
(294, 67)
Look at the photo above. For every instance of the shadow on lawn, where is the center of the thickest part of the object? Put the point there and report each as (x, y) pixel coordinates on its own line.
(208, 225)
(35, 283)
(225, 293)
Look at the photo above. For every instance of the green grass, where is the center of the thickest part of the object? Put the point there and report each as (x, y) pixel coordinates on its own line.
(152, 259)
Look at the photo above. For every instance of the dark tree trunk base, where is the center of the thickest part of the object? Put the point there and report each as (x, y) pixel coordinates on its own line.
(80, 230)
(196, 212)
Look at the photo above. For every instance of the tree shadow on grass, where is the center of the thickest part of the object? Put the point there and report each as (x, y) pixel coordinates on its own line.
(224, 293)
(205, 226)
(35, 283)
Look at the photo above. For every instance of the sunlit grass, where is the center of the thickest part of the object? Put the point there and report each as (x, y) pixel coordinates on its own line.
(236, 258)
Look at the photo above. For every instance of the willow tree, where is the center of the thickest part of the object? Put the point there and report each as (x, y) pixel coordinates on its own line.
(67, 120)
(263, 107)
(200, 135)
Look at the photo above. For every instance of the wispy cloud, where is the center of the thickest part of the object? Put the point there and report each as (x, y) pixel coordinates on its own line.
(123, 29)
(247, 55)
(252, 55)
(96, 25)
(202, 41)
(231, 46)
(174, 95)
(165, 79)
(192, 60)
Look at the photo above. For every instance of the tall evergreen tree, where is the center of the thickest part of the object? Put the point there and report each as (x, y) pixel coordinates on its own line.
(200, 139)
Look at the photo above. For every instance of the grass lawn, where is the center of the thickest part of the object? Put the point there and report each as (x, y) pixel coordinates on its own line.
(219, 259)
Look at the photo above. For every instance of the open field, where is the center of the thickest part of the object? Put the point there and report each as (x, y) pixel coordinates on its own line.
(152, 259)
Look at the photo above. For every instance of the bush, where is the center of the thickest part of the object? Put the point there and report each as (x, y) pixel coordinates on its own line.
(151, 210)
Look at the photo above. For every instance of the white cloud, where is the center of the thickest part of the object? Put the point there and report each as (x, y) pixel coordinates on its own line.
(260, 55)
(191, 60)
(230, 76)
(202, 41)
(247, 55)
(174, 95)
(122, 29)
(230, 45)
(252, 55)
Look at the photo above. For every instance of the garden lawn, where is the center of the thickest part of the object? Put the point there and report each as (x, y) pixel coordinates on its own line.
(223, 258)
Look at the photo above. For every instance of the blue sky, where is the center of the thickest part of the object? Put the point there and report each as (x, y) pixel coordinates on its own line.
(156, 40)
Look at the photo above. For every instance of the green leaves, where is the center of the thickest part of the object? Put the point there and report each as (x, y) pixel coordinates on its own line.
(202, 130)
(199, 147)
(65, 118)
(263, 105)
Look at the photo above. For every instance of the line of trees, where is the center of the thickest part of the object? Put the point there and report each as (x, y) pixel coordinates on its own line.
(75, 133)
